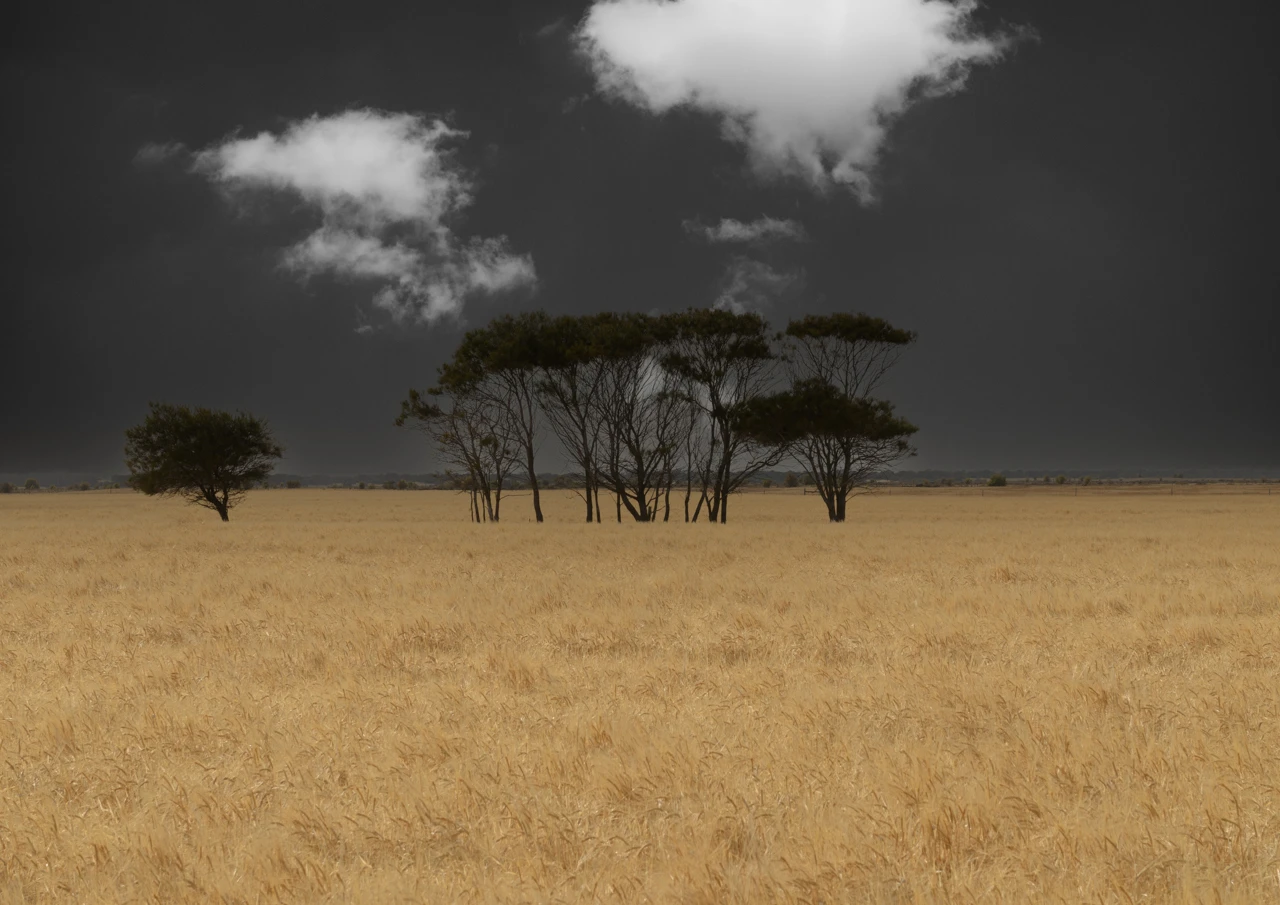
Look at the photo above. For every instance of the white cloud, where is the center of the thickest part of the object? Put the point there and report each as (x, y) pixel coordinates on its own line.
(349, 254)
(749, 285)
(809, 87)
(387, 188)
(153, 153)
(551, 29)
(765, 229)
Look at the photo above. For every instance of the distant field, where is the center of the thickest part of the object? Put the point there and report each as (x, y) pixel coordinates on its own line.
(344, 696)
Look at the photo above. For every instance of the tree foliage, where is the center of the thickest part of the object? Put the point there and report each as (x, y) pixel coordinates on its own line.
(207, 457)
(842, 440)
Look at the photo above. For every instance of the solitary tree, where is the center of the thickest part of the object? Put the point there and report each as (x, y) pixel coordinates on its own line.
(206, 457)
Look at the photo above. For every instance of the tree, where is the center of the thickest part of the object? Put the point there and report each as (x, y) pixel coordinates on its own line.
(723, 360)
(6, 487)
(843, 440)
(569, 388)
(207, 457)
(637, 416)
(828, 418)
(32, 484)
(470, 431)
(997, 480)
(500, 363)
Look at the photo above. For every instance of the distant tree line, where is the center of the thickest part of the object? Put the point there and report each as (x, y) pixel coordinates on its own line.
(33, 486)
(691, 405)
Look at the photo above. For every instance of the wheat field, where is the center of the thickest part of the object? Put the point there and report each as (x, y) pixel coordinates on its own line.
(348, 696)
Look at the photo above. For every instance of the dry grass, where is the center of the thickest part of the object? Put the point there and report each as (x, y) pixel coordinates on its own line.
(359, 697)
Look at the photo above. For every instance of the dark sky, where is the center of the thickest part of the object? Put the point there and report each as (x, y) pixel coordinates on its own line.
(1085, 238)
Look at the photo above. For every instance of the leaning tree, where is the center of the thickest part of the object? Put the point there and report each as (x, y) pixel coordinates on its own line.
(471, 432)
(207, 457)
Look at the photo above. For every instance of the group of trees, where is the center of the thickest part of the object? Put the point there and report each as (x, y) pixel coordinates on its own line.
(694, 404)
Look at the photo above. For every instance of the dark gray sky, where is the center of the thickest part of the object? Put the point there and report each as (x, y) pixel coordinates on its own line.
(1084, 237)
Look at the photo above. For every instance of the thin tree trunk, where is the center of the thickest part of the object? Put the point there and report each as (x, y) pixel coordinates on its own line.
(533, 483)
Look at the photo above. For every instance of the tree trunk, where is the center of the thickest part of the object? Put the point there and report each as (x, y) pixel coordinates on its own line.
(222, 511)
(533, 484)
(842, 499)
(587, 493)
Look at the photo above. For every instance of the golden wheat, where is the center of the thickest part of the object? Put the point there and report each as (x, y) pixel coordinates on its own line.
(360, 697)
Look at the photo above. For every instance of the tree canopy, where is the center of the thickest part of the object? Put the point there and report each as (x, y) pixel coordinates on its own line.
(207, 457)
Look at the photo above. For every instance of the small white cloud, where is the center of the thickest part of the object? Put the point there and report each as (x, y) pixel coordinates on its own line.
(387, 189)
(348, 254)
(809, 87)
(484, 266)
(551, 29)
(153, 153)
(749, 285)
(765, 229)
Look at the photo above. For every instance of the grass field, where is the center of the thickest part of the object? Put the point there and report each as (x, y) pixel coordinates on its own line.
(348, 696)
